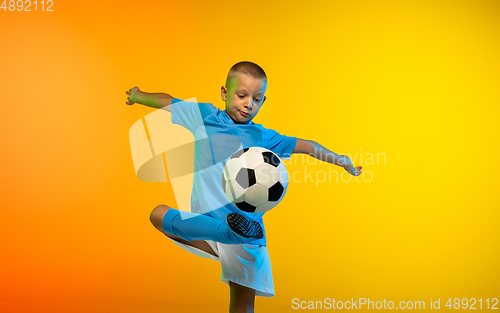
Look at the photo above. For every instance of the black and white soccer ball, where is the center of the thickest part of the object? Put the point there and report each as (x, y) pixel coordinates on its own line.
(254, 180)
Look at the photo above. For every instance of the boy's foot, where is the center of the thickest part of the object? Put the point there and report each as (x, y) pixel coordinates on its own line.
(242, 227)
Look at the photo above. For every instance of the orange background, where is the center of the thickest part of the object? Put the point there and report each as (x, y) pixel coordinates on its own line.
(414, 81)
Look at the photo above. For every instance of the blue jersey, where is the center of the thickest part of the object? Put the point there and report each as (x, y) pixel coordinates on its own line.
(217, 137)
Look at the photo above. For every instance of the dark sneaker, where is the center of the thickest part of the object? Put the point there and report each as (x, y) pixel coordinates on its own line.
(244, 228)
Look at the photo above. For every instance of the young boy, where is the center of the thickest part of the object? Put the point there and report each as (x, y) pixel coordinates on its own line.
(215, 228)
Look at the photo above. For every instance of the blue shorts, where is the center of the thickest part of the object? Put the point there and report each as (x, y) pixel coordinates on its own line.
(247, 265)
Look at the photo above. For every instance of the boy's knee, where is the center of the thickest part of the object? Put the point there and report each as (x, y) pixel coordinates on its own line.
(156, 216)
(242, 298)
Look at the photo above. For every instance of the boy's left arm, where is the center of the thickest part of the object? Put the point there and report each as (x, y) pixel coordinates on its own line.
(316, 150)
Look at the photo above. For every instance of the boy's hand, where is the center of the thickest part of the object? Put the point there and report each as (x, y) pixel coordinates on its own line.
(355, 171)
(346, 163)
(131, 94)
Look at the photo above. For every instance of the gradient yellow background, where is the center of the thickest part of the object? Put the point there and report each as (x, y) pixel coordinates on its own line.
(414, 81)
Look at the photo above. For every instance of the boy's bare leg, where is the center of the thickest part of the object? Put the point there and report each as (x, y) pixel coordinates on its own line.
(242, 298)
(156, 218)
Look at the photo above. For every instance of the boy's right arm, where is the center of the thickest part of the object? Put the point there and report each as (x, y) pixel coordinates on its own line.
(154, 100)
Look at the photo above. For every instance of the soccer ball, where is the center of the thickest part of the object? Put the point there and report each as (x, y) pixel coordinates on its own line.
(254, 180)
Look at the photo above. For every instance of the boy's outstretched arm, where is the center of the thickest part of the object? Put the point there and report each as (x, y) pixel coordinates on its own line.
(154, 100)
(316, 150)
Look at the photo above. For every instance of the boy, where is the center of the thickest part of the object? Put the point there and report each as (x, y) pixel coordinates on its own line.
(216, 228)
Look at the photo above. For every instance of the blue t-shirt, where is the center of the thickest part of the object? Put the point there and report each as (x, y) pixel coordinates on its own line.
(217, 137)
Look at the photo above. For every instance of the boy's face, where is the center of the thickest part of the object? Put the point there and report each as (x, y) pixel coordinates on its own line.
(244, 96)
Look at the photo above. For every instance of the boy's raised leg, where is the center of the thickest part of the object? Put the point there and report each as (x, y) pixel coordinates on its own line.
(157, 220)
(235, 229)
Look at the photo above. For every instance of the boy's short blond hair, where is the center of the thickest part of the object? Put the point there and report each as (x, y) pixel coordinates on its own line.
(248, 68)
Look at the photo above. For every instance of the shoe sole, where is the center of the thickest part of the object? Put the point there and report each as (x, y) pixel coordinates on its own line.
(243, 227)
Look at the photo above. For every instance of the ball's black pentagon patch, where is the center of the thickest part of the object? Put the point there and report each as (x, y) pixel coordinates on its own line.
(271, 158)
(245, 207)
(223, 183)
(245, 177)
(237, 154)
(275, 192)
